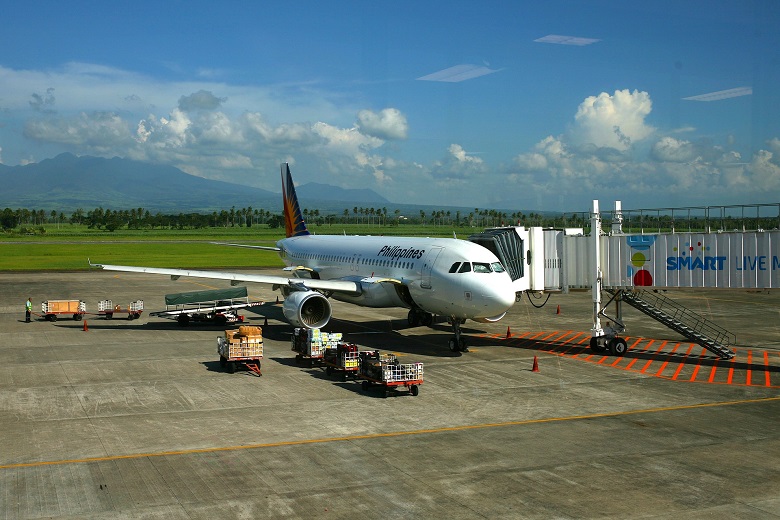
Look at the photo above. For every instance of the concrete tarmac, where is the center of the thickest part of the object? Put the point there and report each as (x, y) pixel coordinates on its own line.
(136, 419)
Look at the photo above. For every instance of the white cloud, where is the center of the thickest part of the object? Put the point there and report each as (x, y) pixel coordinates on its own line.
(764, 172)
(458, 165)
(608, 151)
(614, 121)
(96, 132)
(388, 124)
(669, 149)
(200, 100)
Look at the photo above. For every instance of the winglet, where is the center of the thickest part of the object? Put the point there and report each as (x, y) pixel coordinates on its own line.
(294, 225)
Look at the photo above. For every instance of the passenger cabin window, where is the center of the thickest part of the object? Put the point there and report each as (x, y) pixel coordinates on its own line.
(465, 268)
(454, 268)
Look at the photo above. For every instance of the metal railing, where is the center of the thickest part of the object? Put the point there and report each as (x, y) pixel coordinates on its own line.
(695, 219)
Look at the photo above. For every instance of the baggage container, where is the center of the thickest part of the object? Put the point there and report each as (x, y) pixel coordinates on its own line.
(310, 344)
(50, 309)
(343, 359)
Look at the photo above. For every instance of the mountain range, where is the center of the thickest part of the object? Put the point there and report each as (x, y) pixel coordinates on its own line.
(67, 182)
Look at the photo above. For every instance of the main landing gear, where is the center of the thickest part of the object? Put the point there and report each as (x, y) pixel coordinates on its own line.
(419, 317)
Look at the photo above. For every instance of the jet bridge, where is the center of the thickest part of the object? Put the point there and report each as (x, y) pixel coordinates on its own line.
(634, 267)
(514, 247)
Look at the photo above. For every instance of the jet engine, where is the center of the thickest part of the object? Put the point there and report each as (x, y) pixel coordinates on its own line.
(491, 319)
(308, 309)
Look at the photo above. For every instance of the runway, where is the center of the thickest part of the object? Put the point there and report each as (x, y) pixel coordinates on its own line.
(135, 418)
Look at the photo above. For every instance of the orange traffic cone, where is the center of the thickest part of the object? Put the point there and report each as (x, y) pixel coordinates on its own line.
(558, 311)
(508, 333)
(535, 368)
(265, 322)
(86, 329)
(277, 299)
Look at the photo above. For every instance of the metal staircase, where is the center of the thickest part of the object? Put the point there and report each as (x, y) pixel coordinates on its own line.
(682, 320)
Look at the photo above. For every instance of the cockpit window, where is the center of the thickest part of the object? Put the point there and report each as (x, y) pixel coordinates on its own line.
(481, 267)
(465, 268)
(454, 268)
(497, 267)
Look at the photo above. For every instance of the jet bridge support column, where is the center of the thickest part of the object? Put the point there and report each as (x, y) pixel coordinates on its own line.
(602, 339)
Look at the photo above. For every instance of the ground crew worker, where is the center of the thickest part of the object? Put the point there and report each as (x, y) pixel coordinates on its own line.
(27, 309)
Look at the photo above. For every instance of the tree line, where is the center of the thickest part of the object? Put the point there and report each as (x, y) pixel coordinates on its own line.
(30, 220)
(140, 218)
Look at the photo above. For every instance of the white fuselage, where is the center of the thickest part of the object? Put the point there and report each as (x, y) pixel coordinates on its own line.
(442, 276)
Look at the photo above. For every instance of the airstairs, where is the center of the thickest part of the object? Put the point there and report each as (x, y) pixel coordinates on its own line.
(680, 319)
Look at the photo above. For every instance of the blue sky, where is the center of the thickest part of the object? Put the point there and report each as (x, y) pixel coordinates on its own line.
(476, 104)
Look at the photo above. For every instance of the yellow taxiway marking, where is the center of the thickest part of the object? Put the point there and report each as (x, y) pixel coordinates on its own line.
(389, 434)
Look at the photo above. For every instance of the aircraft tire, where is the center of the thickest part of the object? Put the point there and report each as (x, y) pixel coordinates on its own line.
(411, 318)
(453, 346)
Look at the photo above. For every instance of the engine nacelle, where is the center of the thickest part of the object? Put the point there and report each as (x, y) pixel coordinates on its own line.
(308, 309)
(491, 319)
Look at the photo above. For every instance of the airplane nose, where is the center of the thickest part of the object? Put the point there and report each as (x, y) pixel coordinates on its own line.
(506, 296)
(501, 297)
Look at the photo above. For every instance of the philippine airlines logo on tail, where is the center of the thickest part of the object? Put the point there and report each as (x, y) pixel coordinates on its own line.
(294, 225)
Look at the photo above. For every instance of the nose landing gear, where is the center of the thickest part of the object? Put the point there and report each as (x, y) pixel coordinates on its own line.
(458, 343)
(420, 317)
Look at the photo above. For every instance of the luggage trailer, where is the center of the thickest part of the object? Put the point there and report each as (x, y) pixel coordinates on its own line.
(343, 360)
(107, 309)
(242, 348)
(51, 309)
(379, 370)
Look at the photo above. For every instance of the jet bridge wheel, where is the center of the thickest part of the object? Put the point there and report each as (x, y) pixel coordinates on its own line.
(618, 346)
(598, 345)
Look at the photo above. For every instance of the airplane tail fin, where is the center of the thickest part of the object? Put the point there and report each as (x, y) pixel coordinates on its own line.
(293, 218)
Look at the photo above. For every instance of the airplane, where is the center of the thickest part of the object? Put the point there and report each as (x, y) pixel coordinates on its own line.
(447, 277)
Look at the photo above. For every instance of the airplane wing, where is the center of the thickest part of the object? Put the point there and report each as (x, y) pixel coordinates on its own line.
(320, 285)
(264, 248)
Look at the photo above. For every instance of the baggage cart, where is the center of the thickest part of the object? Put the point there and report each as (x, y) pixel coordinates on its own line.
(385, 372)
(242, 348)
(51, 309)
(342, 360)
(107, 309)
(310, 344)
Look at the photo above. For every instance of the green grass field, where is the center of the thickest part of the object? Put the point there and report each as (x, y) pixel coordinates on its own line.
(66, 247)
